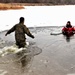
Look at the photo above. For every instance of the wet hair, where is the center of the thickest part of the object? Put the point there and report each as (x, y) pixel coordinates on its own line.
(21, 19)
(69, 24)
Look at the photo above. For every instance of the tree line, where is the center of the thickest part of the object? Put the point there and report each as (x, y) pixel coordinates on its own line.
(39, 1)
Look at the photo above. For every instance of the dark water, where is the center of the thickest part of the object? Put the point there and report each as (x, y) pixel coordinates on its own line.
(56, 55)
(16, 63)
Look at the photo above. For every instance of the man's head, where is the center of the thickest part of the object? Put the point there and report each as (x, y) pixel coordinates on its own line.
(69, 23)
(21, 19)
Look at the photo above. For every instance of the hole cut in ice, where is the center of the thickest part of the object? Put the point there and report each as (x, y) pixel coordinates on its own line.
(13, 53)
(17, 60)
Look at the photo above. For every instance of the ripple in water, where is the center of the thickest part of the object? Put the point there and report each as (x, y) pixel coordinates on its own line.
(17, 63)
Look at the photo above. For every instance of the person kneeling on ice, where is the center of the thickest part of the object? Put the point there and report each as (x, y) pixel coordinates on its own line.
(20, 31)
(68, 30)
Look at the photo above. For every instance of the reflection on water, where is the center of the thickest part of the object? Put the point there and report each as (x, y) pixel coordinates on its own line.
(68, 39)
(18, 63)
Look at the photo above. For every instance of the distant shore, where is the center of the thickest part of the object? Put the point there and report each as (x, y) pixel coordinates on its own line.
(14, 6)
(8, 6)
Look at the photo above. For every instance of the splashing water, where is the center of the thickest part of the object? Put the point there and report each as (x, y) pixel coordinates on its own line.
(11, 49)
(14, 61)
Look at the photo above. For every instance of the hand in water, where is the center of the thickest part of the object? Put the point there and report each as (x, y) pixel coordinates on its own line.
(33, 36)
(6, 34)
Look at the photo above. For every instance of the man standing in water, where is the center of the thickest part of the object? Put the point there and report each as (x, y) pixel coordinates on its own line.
(20, 31)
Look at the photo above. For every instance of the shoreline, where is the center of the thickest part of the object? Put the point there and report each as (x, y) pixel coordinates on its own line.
(14, 6)
(7, 6)
(37, 28)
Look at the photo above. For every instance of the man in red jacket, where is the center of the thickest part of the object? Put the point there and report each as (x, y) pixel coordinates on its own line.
(68, 30)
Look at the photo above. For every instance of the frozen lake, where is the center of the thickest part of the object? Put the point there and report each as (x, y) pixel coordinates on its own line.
(57, 57)
(38, 16)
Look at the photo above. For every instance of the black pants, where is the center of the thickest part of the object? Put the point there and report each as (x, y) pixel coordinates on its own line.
(20, 43)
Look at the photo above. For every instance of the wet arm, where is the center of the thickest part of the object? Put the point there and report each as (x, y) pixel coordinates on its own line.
(26, 30)
(64, 29)
(10, 31)
(73, 29)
